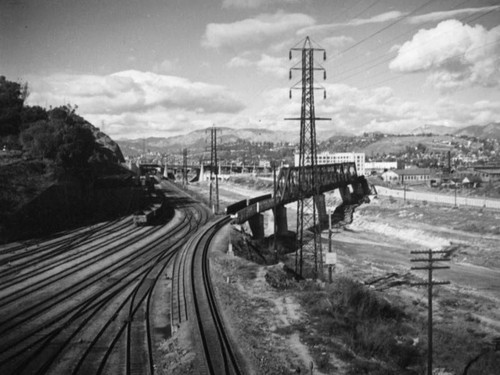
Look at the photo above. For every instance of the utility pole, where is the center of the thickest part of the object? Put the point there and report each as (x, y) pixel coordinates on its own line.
(307, 153)
(331, 264)
(404, 189)
(184, 167)
(275, 242)
(430, 260)
(214, 169)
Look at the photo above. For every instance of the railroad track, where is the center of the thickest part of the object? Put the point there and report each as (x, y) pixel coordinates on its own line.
(216, 348)
(92, 314)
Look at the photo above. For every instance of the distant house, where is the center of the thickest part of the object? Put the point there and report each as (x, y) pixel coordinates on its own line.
(390, 176)
(488, 174)
(471, 181)
(408, 176)
(379, 166)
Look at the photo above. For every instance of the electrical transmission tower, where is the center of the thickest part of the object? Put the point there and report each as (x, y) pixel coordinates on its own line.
(306, 207)
(214, 169)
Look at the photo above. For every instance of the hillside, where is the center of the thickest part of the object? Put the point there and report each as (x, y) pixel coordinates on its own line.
(42, 150)
(199, 140)
(434, 129)
(433, 137)
(488, 131)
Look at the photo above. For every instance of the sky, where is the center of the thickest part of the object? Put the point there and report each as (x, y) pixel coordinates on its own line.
(144, 68)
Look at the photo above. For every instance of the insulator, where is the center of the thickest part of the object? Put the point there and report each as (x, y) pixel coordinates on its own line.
(324, 55)
(290, 94)
(324, 74)
(290, 75)
(324, 94)
(289, 55)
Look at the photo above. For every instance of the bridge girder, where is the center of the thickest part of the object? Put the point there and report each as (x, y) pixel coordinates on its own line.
(328, 176)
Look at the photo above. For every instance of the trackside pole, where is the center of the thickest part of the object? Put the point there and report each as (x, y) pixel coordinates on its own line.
(430, 283)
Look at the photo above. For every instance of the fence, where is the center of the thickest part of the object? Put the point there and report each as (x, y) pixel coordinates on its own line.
(440, 198)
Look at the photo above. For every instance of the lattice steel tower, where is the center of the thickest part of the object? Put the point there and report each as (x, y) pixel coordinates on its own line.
(214, 169)
(306, 207)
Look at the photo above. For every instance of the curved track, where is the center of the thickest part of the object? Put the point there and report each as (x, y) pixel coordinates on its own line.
(215, 344)
(88, 302)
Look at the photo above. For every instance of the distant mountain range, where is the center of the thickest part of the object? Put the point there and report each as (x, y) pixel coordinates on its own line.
(434, 129)
(491, 130)
(487, 131)
(200, 139)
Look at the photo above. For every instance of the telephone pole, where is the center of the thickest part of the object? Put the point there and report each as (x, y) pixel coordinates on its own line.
(307, 153)
(184, 167)
(430, 260)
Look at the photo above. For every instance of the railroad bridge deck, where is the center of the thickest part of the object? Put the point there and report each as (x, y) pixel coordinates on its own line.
(354, 189)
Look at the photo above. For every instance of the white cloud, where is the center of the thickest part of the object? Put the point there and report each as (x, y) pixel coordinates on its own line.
(254, 32)
(326, 28)
(356, 111)
(134, 99)
(439, 16)
(134, 90)
(481, 112)
(253, 3)
(336, 42)
(456, 55)
(277, 66)
(238, 62)
(274, 65)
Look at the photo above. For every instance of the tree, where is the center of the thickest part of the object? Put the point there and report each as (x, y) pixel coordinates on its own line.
(76, 147)
(40, 139)
(12, 96)
(32, 114)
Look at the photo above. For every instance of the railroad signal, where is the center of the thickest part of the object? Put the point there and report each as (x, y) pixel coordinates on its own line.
(430, 260)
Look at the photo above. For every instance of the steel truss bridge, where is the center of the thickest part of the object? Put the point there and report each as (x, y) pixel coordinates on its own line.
(354, 189)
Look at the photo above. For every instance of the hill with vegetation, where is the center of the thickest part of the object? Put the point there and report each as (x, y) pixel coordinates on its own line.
(488, 131)
(40, 148)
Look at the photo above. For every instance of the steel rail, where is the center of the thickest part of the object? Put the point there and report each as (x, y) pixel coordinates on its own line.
(85, 312)
(218, 351)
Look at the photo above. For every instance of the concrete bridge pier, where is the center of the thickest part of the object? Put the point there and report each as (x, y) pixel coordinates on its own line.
(321, 209)
(256, 223)
(281, 220)
(276, 216)
(345, 193)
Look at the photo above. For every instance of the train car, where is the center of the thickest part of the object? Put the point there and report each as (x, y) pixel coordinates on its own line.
(260, 198)
(154, 210)
(141, 218)
(235, 207)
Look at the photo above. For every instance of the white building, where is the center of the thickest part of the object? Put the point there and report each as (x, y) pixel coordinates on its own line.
(380, 166)
(339, 157)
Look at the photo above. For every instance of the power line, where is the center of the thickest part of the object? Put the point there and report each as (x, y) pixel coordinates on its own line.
(385, 27)
(352, 68)
(387, 58)
(366, 9)
(448, 58)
